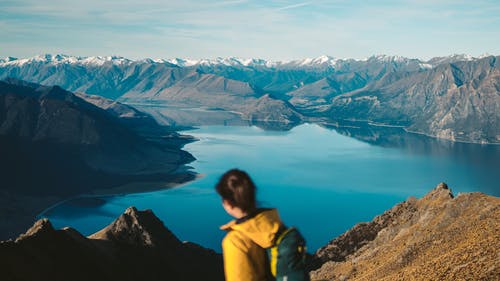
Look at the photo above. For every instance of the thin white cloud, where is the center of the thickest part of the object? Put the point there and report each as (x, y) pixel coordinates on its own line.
(294, 6)
(228, 3)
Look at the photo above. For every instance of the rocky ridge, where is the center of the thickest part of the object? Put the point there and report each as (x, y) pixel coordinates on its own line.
(136, 246)
(438, 237)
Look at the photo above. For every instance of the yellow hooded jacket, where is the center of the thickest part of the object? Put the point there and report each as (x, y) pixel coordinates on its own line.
(244, 246)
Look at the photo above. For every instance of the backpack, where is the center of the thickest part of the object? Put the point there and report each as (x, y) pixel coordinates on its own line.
(288, 256)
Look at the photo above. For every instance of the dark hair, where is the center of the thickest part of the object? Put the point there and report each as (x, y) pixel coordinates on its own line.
(237, 187)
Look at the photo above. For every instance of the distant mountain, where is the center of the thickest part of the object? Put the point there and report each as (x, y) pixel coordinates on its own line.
(113, 77)
(109, 77)
(136, 246)
(52, 115)
(392, 90)
(437, 237)
(143, 123)
(457, 101)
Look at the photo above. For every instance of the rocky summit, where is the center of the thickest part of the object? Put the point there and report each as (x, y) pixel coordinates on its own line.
(136, 246)
(438, 237)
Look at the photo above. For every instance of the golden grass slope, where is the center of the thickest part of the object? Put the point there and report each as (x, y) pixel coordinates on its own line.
(435, 238)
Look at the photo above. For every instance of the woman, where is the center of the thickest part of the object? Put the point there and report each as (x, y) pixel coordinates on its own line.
(250, 233)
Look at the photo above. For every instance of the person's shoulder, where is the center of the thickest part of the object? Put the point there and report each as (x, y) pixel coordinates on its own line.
(270, 214)
(236, 239)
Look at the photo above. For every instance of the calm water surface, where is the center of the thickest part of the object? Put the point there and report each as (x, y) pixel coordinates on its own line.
(321, 180)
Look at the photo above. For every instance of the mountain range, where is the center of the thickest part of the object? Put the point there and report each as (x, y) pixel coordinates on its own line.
(455, 97)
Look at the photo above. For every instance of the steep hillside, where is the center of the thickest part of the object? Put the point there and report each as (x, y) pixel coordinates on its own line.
(52, 115)
(54, 144)
(136, 246)
(458, 101)
(438, 237)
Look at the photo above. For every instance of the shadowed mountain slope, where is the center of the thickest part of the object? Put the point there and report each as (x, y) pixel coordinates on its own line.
(54, 145)
(136, 246)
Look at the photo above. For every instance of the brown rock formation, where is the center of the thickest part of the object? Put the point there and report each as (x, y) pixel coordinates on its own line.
(438, 237)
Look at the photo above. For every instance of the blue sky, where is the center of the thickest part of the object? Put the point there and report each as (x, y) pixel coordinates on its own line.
(274, 29)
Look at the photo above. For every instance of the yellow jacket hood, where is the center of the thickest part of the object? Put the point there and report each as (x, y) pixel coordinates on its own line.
(261, 228)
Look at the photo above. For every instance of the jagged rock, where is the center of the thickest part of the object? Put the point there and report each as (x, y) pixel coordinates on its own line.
(138, 228)
(42, 227)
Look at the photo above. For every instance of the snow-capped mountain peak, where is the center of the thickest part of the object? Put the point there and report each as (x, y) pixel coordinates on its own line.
(100, 60)
(7, 59)
(387, 58)
(179, 62)
(321, 61)
(454, 58)
(65, 59)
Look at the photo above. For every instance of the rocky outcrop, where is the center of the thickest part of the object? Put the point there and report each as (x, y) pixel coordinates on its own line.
(268, 109)
(136, 246)
(137, 228)
(438, 237)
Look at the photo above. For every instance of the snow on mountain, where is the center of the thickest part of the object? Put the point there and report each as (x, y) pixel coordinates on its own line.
(321, 61)
(386, 58)
(182, 62)
(312, 62)
(179, 62)
(454, 58)
(425, 65)
(399, 60)
(65, 59)
(7, 59)
(230, 61)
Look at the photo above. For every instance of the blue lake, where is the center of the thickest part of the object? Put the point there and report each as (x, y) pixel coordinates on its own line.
(321, 180)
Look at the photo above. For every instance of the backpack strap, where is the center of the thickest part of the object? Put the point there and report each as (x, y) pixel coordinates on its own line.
(274, 249)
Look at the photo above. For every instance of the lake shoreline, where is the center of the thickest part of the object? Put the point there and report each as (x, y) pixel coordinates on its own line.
(19, 212)
(126, 189)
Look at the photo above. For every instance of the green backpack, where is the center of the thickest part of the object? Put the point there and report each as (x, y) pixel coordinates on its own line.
(288, 256)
